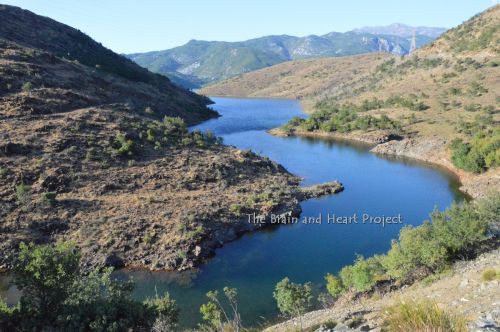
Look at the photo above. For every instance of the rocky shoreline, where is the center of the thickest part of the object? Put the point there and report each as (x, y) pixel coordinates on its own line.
(431, 150)
(463, 289)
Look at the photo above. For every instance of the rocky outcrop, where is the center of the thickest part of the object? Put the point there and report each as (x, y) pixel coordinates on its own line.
(315, 191)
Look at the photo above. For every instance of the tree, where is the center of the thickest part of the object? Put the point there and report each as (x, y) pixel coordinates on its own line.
(293, 299)
(214, 312)
(56, 296)
(334, 285)
(45, 274)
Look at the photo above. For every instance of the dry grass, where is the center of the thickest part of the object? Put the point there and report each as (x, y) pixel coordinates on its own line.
(423, 316)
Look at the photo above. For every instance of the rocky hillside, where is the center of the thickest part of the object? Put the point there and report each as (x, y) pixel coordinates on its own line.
(444, 91)
(201, 62)
(303, 79)
(95, 150)
(44, 60)
(462, 290)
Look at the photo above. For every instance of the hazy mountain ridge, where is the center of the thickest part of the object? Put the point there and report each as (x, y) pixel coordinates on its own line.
(201, 62)
(402, 30)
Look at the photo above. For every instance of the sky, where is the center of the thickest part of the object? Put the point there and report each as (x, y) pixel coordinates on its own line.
(128, 26)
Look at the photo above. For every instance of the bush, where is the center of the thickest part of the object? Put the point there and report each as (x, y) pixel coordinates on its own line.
(26, 87)
(422, 316)
(334, 285)
(23, 193)
(360, 275)
(214, 313)
(123, 146)
(481, 153)
(432, 246)
(56, 296)
(490, 274)
(49, 198)
(429, 248)
(293, 299)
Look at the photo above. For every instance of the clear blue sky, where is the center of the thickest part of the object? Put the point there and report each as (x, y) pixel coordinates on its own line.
(128, 26)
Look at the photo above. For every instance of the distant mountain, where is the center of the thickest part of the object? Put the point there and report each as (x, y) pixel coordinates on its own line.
(200, 62)
(402, 30)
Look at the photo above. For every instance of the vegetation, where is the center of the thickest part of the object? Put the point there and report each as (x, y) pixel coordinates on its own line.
(423, 250)
(293, 299)
(23, 192)
(49, 198)
(422, 316)
(478, 155)
(56, 295)
(171, 132)
(490, 274)
(213, 312)
(331, 118)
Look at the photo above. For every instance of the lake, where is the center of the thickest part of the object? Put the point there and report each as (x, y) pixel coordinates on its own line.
(374, 185)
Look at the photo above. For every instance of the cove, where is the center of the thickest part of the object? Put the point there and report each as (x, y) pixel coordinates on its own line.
(374, 185)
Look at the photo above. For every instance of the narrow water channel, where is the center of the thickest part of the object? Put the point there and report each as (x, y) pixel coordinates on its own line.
(304, 252)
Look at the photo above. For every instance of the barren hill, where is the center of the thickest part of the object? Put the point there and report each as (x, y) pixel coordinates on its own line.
(86, 155)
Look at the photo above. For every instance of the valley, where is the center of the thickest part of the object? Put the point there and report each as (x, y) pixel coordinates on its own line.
(340, 182)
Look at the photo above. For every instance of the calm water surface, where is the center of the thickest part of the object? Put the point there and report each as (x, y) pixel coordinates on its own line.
(256, 262)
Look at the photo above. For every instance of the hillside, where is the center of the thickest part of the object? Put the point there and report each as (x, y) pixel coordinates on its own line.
(105, 160)
(303, 79)
(200, 62)
(447, 90)
(460, 289)
(30, 43)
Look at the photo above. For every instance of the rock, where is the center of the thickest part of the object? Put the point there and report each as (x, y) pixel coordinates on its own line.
(197, 251)
(113, 260)
(342, 328)
(319, 190)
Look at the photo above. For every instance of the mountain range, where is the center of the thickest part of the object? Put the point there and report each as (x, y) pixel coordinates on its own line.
(198, 62)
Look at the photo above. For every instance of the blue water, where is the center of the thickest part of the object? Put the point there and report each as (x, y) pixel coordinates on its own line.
(304, 252)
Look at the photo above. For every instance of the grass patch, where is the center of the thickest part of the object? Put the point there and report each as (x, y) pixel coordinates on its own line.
(422, 316)
(490, 275)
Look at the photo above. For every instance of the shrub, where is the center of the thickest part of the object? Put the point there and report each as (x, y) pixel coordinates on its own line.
(293, 299)
(490, 274)
(214, 313)
(26, 87)
(23, 192)
(122, 146)
(334, 285)
(360, 275)
(49, 198)
(235, 209)
(56, 296)
(422, 316)
(478, 155)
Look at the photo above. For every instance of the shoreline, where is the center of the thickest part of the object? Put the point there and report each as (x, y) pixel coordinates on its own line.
(431, 150)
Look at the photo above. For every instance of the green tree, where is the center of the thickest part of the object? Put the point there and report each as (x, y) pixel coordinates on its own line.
(334, 285)
(214, 313)
(45, 274)
(56, 296)
(293, 299)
